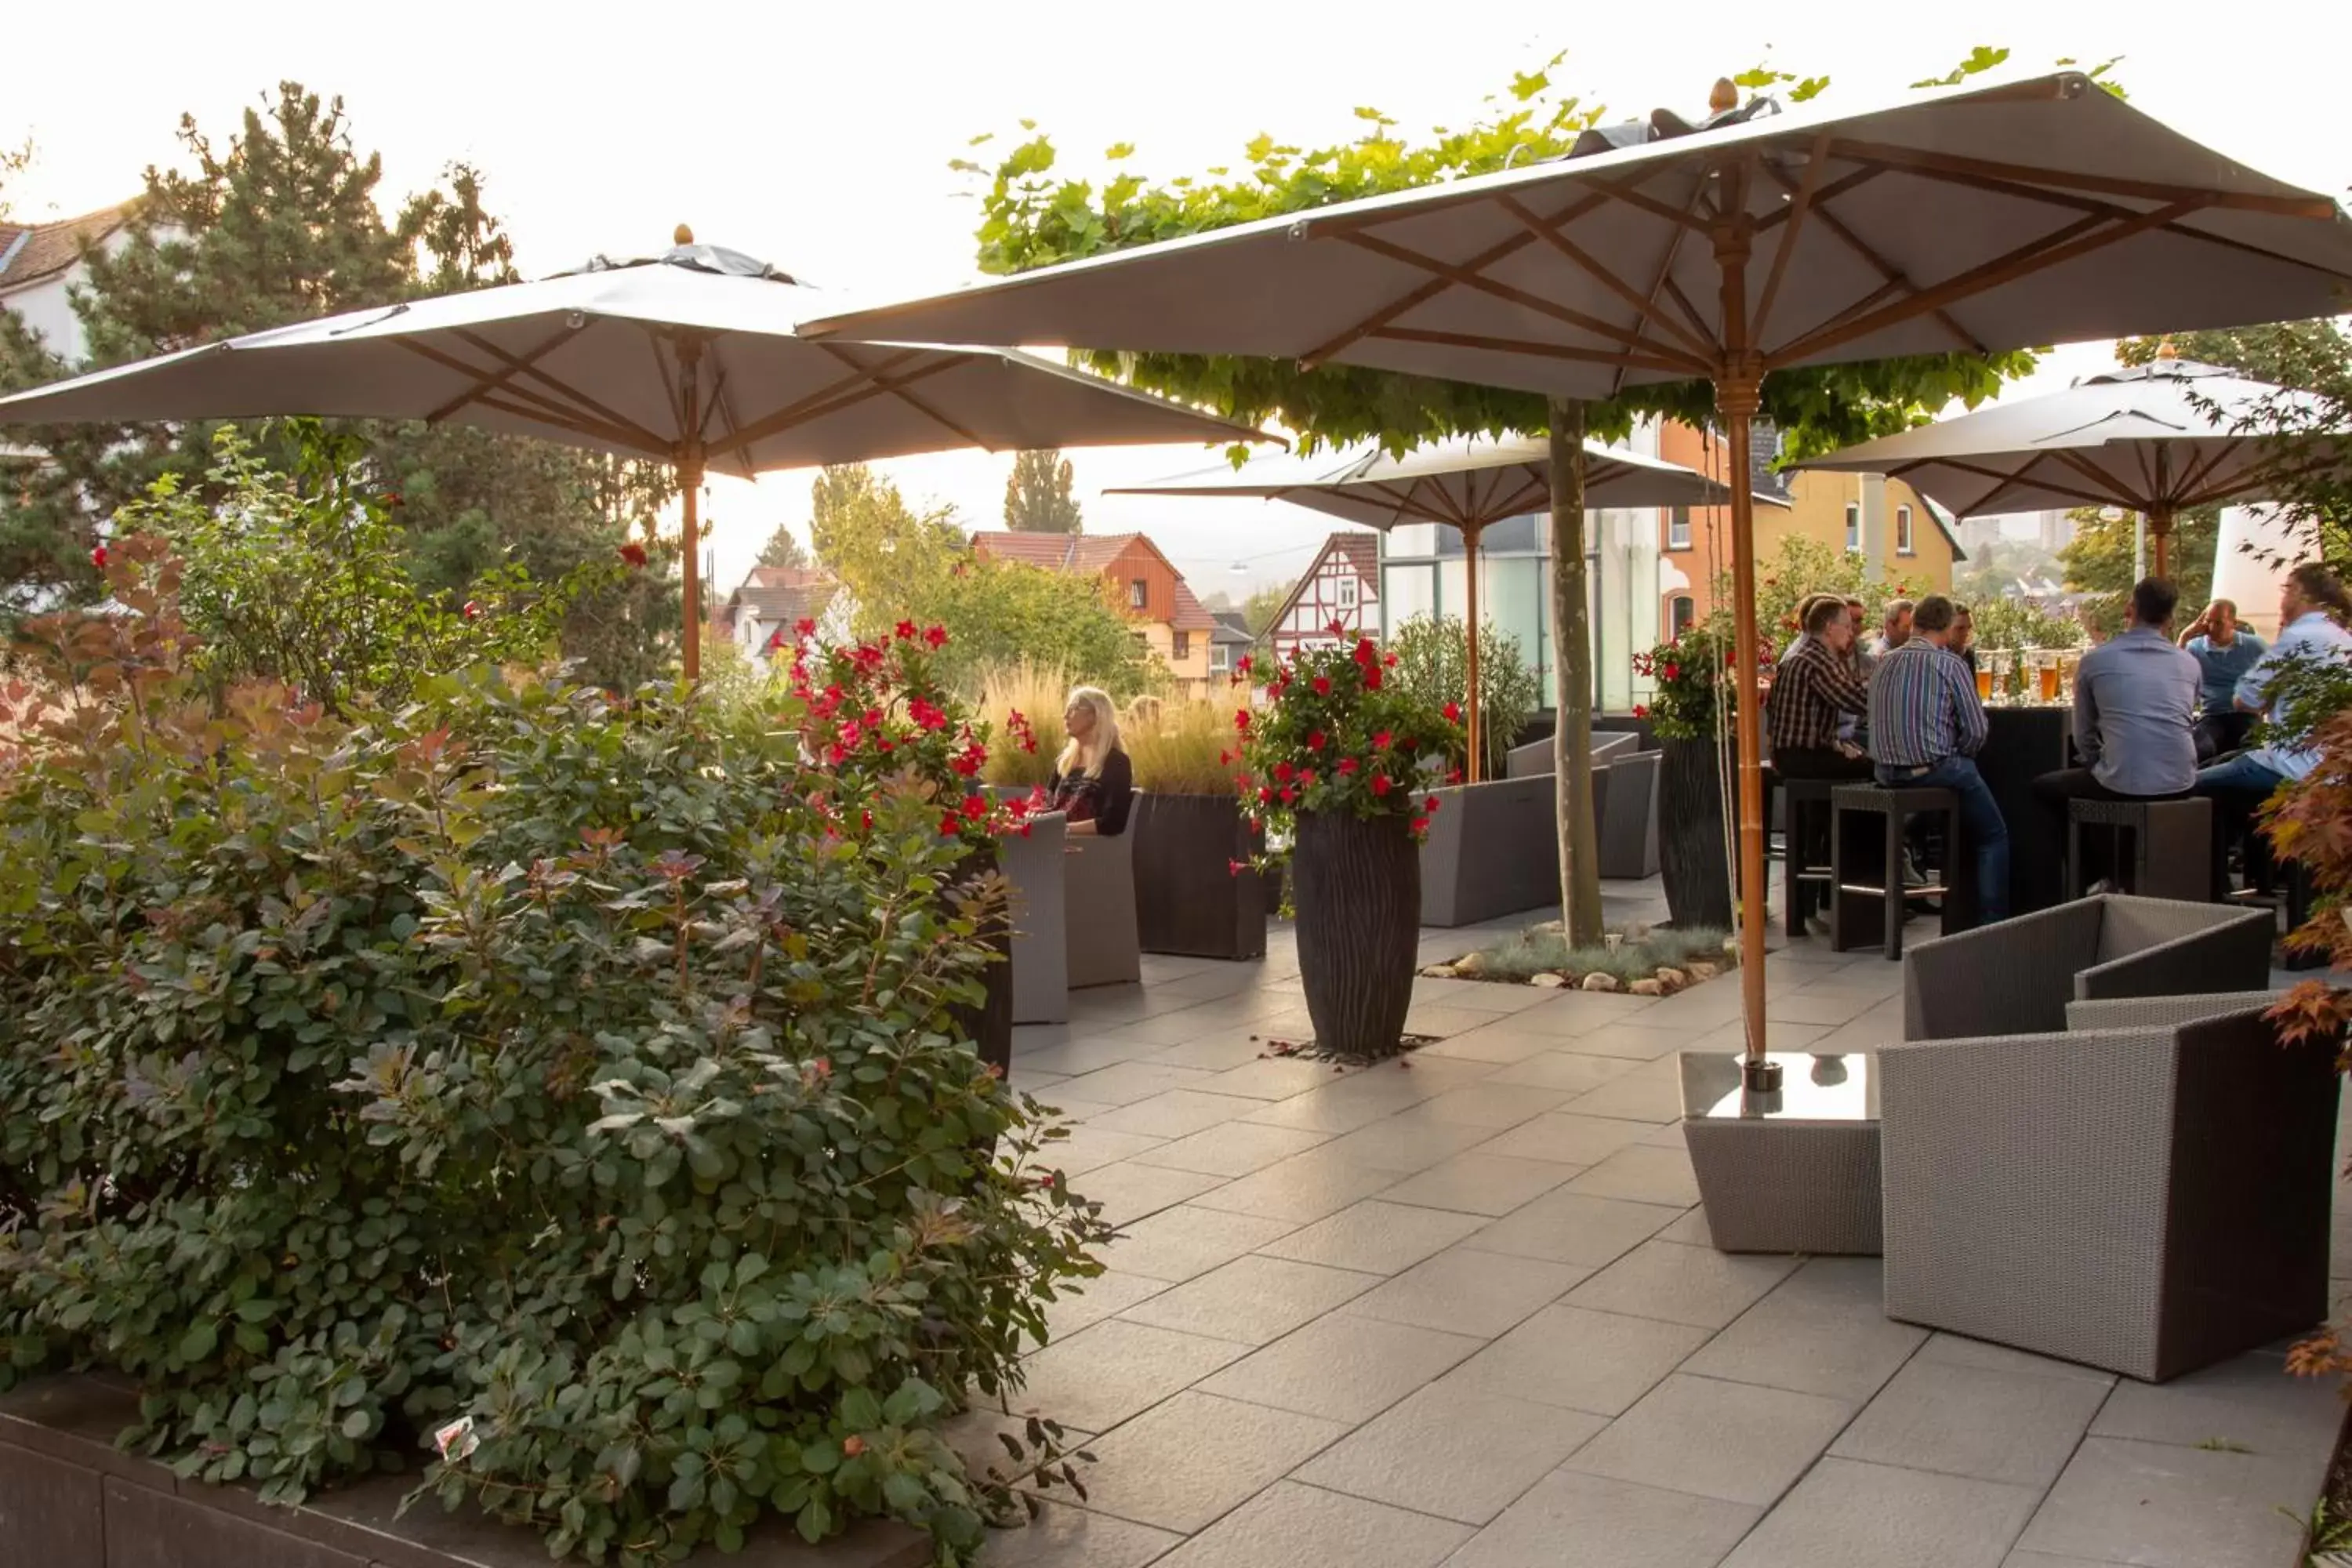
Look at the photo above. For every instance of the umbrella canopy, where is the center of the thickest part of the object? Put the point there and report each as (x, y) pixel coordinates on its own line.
(2157, 439)
(1465, 483)
(1991, 215)
(687, 358)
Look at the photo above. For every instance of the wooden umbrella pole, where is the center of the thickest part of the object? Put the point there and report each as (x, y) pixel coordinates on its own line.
(1470, 570)
(690, 458)
(2159, 534)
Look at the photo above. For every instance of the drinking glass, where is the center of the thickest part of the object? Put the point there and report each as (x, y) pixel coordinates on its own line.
(1984, 678)
(2045, 673)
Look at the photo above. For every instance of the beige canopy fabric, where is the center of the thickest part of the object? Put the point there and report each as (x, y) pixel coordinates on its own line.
(1995, 215)
(2157, 439)
(688, 358)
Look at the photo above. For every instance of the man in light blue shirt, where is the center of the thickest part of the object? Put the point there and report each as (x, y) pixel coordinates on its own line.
(2313, 609)
(2226, 651)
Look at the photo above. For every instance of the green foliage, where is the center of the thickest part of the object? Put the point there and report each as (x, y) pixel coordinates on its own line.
(1639, 955)
(2098, 558)
(783, 549)
(1800, 567)
(586, 1071)
(1261, 607)
(866, 535)
(1433, 663)
(1037, 497)
(1332, 732)
(1687, 680)
(2019, 623)
(2000, 566)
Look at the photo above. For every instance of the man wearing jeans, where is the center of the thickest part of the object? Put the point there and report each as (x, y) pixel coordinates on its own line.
(1925, 728)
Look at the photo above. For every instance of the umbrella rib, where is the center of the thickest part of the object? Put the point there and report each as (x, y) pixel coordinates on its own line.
(2198, 471)
(1800, 205)
(576, 424)
(898, 390)
(1665, 271)
(834, 399)
(1821, 198)
(1913, 159)
(1466, 278)
(535, 406)
(579, 398)
(1646, 309)
(2073, 241)
(784, 418)
(514, 367)
(2002, 481)
(2119, 488)
(1540, 351)
(1429, 291)
(1852, 241)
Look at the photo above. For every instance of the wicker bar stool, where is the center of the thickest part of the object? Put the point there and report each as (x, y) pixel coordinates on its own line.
(1805, 802)
(1867, 831)
(2170, 842)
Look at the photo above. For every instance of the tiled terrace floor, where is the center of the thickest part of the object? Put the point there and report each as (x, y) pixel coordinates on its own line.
(1465, 1313)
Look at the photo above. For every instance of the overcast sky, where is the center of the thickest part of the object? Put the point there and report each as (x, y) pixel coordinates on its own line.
(818, 137)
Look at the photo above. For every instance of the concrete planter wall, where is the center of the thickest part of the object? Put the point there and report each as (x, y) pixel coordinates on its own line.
(69, 1499)
(1187, 898)
(1493, 850)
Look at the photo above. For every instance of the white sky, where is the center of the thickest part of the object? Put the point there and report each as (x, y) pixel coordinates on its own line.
(818, 136)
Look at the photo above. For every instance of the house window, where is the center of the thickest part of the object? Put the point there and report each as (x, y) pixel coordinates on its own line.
(1134, 596)
(1221, 659)
(1348, 588)
(1680, 613)
(1678, 534)
(1903, 530)
(1183, 645)
(1853, 525)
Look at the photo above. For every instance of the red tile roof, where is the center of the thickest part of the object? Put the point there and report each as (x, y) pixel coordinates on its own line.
(1089, 555)
(32, 252)
(1190, 615)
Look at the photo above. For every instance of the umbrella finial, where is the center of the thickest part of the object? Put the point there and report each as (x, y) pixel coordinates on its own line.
(1726, 96)
(682, 234)
(2164, 350)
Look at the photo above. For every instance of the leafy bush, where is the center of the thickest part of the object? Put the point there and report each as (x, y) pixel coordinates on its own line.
(1803, 566)
(1433, 662)
(577, 1078)
(2020, 623)
(1687, 674)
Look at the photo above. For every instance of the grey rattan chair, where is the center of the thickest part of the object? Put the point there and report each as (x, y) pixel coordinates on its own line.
(2016, 977)
(1103, 942)
(2148, 1198)
(1041, 973)
(1493, 850)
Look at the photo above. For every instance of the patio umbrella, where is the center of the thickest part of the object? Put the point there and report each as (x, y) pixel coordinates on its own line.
(1465, 484)
(2156, 440)
(687, 358)
(1986, 217)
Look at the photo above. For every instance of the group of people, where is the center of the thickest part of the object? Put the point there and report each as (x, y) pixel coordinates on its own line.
(2156, 717)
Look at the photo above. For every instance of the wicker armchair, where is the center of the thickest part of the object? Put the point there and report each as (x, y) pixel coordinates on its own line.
(1493, 850)
(1041, 974)
(2016, 977)
(1102, 940)
(1533, 760)
(2149, 1197)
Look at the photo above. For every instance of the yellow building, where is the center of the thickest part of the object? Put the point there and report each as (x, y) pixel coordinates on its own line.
(1157, 601)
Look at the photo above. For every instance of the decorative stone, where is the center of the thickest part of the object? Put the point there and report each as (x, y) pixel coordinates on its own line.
(1597, 981)
(1647, 988)
(1549, 928)
(1470, 963)
(1438, 972)
(1699, 972)
(1673, 979)
(1548, 978)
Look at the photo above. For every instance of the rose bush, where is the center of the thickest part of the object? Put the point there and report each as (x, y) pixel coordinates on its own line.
(1688, 679)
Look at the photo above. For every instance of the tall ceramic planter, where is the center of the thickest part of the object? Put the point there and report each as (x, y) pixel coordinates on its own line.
(1188, 898)
(988, 1025)
(1356, 885)
(1691, 858)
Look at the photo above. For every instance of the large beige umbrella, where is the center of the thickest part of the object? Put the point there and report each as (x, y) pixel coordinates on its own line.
(1987, 217)
(1466, 484)
(2156, 440)
(687, 358)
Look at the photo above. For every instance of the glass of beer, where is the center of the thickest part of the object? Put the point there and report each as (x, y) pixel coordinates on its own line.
(2045, 671)
(1984, 677)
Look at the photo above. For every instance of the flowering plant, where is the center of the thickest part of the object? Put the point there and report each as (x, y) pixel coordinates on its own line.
(875, 712)
(1332, 731)
(1687, 674)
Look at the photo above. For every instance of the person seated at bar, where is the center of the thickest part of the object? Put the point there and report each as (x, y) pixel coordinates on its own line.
(2313, 611)
(2224, 650)
(2135, 709)
(1964, 636)
(1093, 782)
(1805, 619)
(1896, 629)
(1814, 691)
(1925, 729)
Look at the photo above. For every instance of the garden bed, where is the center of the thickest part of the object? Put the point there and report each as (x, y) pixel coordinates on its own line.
(1643, 961)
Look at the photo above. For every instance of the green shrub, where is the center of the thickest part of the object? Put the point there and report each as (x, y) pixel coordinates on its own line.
(1433, 663)
(585, 1069)
(1638, 956)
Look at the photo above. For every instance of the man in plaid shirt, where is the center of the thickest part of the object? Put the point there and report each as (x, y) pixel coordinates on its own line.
(1816, 688)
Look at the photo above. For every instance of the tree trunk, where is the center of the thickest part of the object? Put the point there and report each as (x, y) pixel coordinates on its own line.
(1356, 884)
(1579, 844)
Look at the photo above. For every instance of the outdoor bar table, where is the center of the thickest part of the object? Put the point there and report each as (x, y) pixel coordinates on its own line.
(2021, 744)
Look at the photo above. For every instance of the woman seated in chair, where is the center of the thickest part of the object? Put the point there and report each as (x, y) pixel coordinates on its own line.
(1093, 782)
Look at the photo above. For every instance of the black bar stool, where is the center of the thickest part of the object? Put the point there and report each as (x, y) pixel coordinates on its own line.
(2171, 846)
(1804, 802)
(1866, 832)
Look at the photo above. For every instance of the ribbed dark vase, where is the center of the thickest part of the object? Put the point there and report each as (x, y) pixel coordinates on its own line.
(1356, 885)
(1188, 898)
(988, 1025)
(1690, 835)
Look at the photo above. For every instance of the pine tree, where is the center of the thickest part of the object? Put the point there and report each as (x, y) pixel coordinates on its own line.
(783, 549)
(1037, 497)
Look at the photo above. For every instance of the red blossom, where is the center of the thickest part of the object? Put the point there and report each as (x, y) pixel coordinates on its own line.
(1372, 680)
(951, 826)
(804, 627)
(935, 637)
(1430, 805)
(1640, 710)
(1381, 784)
(852, 1446)
(904, 631)
(1241, 719)
(1389, 660)
(97, 557)
(633, 555)
(1322, 686)
(1365, 652)
(1453, 711)
(1379, 739)
(1672, 672)
(1315, 740)
(1283, 772)
(1243, 665)
(1235, 867)
(472, 611)
(392, 498)
(1288, 794)
(1265, 796)
(1346, 765)
(1420, 824)
(975, 806)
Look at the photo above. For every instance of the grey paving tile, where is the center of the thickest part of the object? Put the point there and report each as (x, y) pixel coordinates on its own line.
(1187, 1461)
(1305, 1527)
(1375, 1237)
(1570, 1521)
(2013, 1426)
(1817, 1006)
(1489, 1104)
(1085, 1302)
(1178, 1242)
(1957, 1351)
(1645, 1094)
(1466, 1291)
(2044, 1560)
(1252, 1300)
(1063, 1537)
(1444, 1021)
(1645, 1174)
(1176, 1113)
(1301, 1189)
(1736, 1441)
(1101, 1375)
(1848, 1513)
(1573, 1227)
(1453, 1451)
(1078, 1055)
(1477, 1182)
(1596, 1362)
(2161, 1506)
(1088, 1149)
(1822, 1331)
(1479, 995)
(1497, 1043)
(2249, 1402)
(1405, 1145)
(1270, 1077)
(1233, 1045)
(1341, 1367)
(1694, 1285)
(1235, 1148)
(1582, 1012)
(1564, 1066)
(1347, 1101)
(1633, 1042)
(1125, 1083)
(1130, 1191)
(1565, 1138)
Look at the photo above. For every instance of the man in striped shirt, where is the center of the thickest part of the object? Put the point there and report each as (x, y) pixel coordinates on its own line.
(1925, 729)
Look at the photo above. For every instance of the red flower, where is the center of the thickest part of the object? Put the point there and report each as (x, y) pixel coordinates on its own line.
(1640, 710)
(634, 554)
(804, 627)
(1322, 686)
(472, 610)
(1307, 778)
(1338, 628)
(852, 1446)
(1430, 805)
(1284, 773)
(951, 826)
(1315, 740)
(1241, 666)
(1381, 784)
(392, 498)
(1288, 794)
(1241, 719)
(975, 806)
(1674, 672)
(1346, 765)
(936, 636)
(1265, 796)
(1372, 679)
(865, 821)
(1365, 653)
(1420, 824)
(1235, 867)
(1452, 712)
(904, 631)
(1379, 739)
(1389, 660)
(97, 557)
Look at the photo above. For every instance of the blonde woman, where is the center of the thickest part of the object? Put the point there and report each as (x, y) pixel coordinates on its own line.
(1093, 781)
